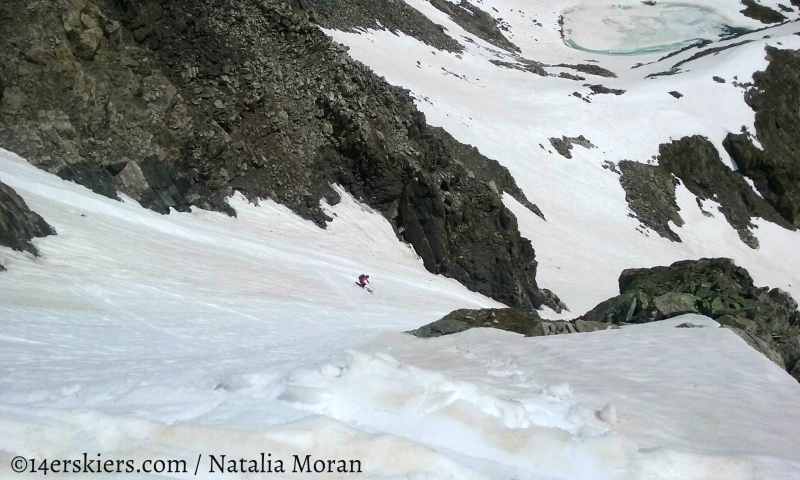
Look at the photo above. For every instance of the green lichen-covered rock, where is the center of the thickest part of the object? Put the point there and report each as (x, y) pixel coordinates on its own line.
(672, 304)
(509, 319)
(715, 287)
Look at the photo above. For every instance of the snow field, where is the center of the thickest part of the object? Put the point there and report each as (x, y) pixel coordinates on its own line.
(137, 335)
(140, 336)
(589, 237)
(122, 293)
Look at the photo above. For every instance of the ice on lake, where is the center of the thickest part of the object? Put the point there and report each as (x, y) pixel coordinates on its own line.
(642, 28)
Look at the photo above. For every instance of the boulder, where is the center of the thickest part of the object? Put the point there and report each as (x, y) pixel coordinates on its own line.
(672, 304)
(18, 224)
(133, 180)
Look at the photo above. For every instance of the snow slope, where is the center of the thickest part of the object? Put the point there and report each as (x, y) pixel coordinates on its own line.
(140, 336)
(589, 238)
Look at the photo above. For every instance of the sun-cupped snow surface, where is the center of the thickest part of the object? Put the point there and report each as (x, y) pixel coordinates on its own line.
(510, 115)
(137, 336)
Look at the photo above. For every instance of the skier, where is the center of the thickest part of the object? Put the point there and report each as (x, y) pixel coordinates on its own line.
(363, 280)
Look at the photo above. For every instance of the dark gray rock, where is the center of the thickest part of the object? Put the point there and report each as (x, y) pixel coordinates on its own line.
(761, 13)
(551, 300)
(775, 170)
(564, 144)
(600, 90)
(95, 179)
(18, 224)
(392, 15)
(698, 44)
(650, 193)
(570, 76)
(695, 161)
(675, 69)
(676, 94)
(523, 65)
(714, 287)
(254, 97)
(590, 69)
(475, 21)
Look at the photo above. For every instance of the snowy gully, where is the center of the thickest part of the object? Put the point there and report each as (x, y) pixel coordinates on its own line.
(265, 464)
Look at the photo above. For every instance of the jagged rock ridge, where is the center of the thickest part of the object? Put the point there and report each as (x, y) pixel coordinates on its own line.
(775, 170)
(694, 160)
(180, 103)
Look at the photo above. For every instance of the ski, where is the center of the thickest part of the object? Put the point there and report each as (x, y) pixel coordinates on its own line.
(369, 289)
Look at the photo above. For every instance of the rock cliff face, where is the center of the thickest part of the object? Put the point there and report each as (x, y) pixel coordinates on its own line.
(761, 13)
(716, 287)
(392, 15)
(18, 224)
(650, 193)
(775, 170)
(180, 103)
(694, 161)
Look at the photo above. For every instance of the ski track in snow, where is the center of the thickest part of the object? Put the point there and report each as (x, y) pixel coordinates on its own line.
(138, 335)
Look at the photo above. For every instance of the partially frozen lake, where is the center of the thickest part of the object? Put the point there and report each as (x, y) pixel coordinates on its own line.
(641, 28)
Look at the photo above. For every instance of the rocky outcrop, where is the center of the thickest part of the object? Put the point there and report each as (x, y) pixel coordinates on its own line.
(602, 90)
(697, 164)
(762, 13)
(509, 319)
(675, 69)
(650, 193)
(775, 169)
(82, 96)
(589, 69)
(523, 65)
(392, 15)
(475, 21)
(564, 144)
(181, 103)
(18, 224)
(766, 318)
